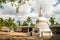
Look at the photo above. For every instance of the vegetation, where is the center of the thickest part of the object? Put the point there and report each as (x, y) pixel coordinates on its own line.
(53, 22)
(19, 23)
(14, 26)
(32, 25)
(19, 3)
(25, 24)
(7, 23)
(28, 22)
(10, 23)
(1, 23)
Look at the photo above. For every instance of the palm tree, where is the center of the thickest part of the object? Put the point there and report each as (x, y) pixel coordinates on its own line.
(19, 23)
(14, 26)
(29, 22)
(1, 22)
(52, 20)
(19, 3)
(9, 23)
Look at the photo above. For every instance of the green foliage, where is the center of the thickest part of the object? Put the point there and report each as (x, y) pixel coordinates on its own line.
(57, 23)
(9, 22)
(25, 24)
(29, 19)
(14, 26)
(32, 25)
(12, 0)
(52, 21)
(18, 23)
(1, 6)
(1, 22)
(19, 3)
(5, 22)
(0, 1)
(4, 1)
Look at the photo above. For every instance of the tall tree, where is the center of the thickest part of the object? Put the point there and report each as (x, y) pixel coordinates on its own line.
(9, 22)
(29, 20)
(14, 26)
(52, 21)
(19, 23)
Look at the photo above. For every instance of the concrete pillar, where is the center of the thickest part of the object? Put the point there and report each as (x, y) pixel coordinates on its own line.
(28, 32)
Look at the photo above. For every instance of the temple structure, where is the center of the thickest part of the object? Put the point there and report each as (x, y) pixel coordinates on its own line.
(42, 26)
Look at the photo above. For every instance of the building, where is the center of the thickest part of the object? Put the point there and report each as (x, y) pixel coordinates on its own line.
(25, 29)
(42, 26)
(5, 29)
(55, 29)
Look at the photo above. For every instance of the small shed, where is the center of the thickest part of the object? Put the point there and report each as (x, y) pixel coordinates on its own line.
(55, 29)
(5, 29)
(25, 29)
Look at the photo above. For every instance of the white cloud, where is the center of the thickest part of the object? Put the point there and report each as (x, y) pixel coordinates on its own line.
(24, 10)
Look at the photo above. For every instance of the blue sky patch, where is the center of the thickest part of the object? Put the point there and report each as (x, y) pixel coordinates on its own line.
(32, 9)
(58, 2)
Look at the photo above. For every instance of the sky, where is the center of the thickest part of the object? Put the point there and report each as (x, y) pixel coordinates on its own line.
(50, 8)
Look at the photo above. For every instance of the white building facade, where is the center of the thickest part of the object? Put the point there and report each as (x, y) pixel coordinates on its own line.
(42, 26)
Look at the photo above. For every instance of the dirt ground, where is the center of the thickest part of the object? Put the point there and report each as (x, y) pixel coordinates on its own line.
(23, 36)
